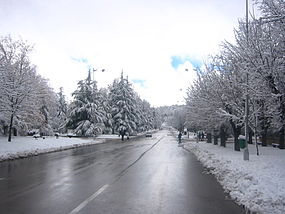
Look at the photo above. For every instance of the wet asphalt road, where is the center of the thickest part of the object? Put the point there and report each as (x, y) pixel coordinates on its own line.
(147, 175)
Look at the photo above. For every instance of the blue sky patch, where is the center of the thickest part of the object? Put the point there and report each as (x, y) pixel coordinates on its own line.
(176, 61)
(195, 62)
(140, 82)
(80, 60)
(180, 60)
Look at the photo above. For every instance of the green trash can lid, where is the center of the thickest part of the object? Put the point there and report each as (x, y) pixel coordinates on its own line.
(241, 137)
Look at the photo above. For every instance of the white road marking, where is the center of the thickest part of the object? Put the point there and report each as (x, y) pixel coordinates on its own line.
(2, 179)
(88, 200)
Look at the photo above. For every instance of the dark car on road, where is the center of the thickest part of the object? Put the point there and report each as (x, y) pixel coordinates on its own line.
(148, 134)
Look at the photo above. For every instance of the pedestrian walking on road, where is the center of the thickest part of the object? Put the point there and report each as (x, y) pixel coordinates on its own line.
(179, 137)
(199, 136)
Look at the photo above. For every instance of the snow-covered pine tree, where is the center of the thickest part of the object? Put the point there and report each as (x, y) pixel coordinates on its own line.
(146, 115)
(157, 118)
(85, 115)
(47, 105)
(106, 109)
(142, 122)
(123, 104)
(59, 122)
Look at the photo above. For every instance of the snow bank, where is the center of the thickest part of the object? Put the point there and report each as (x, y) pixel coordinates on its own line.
(21, 147)
(258, 184)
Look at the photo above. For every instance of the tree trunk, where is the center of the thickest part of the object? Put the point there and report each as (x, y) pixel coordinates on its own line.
(263, 125)
(281, 132)
(236, 131)
(236, 135)
(10, 128)
(281, 138)
(15, 131)
(223, 136)
(250, 136)
(216, 137)
(209, 137)
(5, 129)
(264, 137)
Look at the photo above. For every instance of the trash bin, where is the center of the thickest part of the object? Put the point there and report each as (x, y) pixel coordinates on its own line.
(241, 141)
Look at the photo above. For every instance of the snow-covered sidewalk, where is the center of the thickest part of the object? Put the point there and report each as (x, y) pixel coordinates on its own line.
(258, 184)
(21, 147)
(28, 146)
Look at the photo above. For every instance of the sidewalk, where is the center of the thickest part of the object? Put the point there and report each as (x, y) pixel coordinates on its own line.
(21, 147)
(26, 146)
(258, 184)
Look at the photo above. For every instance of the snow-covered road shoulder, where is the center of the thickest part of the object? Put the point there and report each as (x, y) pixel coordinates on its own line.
(21, 147)
(258, 184)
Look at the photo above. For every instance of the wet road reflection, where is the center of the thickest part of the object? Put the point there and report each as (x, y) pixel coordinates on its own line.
(148, 175)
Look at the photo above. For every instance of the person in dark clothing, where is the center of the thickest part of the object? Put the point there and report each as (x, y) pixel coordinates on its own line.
(199, 136)
(179, 137)
(123, 132)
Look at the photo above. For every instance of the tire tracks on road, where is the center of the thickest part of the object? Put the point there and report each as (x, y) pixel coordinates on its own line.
(123, 172)
(104, 187)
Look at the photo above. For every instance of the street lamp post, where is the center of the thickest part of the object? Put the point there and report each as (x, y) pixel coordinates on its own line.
(245, 151)
(94, 70)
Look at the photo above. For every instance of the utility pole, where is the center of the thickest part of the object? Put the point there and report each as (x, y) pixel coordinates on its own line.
(93, 73)
(245, 151)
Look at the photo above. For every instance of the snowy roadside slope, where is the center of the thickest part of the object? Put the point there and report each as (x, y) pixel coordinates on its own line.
(258, 184)
(21, 147)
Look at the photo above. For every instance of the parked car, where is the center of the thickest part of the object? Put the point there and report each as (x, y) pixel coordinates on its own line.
(36, 136)
(33, 132)
(70, 135)
(148, 134)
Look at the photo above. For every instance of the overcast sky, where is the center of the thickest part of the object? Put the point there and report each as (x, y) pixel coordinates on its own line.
(152, 41)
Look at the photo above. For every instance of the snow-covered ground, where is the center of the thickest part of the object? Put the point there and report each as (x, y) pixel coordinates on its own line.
(258, 184)
(29, 146)
(21, 147)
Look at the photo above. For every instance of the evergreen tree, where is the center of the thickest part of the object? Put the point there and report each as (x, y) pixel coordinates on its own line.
(123, 104)
(47, 105)
(146, 115)
(85, 115)
(62, 104)
(106, 109)
(59, 120)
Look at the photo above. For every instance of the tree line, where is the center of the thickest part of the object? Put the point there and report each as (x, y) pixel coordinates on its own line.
(255, 66)
(27, 102)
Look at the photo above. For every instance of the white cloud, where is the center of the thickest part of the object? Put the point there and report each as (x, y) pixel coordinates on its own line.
(137, 36)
